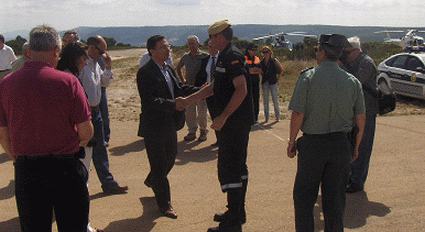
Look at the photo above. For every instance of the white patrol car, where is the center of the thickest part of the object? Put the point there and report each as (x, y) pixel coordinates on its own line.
(405, 72)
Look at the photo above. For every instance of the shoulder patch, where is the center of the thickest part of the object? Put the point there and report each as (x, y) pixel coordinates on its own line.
(235, 62)
(305, 70)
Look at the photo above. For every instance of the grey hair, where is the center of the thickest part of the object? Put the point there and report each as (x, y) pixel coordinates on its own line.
(355, 42)
(44, 38)
(193, 37)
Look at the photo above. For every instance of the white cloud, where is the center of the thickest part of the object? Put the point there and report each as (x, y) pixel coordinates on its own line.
(65, 14)
(179, 2)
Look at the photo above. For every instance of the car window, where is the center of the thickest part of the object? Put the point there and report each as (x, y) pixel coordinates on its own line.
(398, 62)
(390, 62)
(413, 64)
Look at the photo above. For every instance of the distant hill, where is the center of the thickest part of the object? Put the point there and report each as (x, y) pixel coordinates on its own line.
(177, 35)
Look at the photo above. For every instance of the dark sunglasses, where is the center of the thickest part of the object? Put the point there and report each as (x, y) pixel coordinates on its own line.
(264, 52)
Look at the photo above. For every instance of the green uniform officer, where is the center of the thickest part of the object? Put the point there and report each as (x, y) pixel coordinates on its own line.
(324, 104)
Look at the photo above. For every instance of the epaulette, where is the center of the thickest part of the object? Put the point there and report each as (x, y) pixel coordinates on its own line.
(305, 70)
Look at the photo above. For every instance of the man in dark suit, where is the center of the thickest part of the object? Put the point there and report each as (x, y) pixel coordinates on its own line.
(158, 87)
(205, 75)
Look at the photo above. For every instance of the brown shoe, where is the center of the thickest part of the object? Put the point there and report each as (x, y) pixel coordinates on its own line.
(169, 212)
(190, 137)
(147, 183)
(215, 144)
(203, 136)
(116, 190)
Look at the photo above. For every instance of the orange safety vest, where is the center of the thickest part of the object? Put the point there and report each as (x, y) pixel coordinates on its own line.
(255, 61)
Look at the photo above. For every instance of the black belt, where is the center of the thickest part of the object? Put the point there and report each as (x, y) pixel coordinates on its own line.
(5, 70)
(338, 134)
(44, 157)
(79, 154)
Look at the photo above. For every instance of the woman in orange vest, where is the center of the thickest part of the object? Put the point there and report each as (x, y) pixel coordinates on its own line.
(254, 71)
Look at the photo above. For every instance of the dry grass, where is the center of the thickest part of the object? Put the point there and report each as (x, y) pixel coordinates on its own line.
(124, 101)
(292, 70)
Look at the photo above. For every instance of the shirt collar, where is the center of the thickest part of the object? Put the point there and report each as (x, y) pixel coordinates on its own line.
(91, 61)
(161, 67)
(36, 63)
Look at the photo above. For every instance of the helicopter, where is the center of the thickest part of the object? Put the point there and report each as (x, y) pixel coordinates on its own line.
(278, 40)
(409, 39)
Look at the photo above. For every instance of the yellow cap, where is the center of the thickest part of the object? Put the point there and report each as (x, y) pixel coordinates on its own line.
(218, 26)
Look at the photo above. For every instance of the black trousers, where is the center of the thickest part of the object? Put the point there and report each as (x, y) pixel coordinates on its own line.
(232, 169)
(161, 147)
(49, 184)
(232, 155)
(323, 160)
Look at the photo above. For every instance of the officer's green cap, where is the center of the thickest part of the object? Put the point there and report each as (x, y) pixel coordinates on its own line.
(218, 26)
(335, 40)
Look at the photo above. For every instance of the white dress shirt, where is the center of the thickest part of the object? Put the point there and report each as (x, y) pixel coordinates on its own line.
(167, 78)
(7, 56)
(208, 68)
(92, 77)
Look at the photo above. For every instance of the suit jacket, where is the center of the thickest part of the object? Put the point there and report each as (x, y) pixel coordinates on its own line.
(201, 78)
(158, 108)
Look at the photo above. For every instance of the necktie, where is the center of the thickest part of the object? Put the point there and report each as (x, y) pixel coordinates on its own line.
(212, 68)
(170, 84)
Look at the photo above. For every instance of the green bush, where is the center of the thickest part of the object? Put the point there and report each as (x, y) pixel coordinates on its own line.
(16, 44)
(380, 51)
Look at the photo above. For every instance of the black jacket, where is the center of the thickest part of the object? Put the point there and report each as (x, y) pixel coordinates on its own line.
(158, 108)
(201, 77)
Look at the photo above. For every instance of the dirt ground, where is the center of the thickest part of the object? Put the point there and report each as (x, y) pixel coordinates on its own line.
(393, 199)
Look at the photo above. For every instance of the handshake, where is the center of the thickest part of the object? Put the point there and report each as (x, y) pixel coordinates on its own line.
(205, 91)
(183, 102)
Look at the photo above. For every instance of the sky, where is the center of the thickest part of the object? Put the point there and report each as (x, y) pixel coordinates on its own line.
(68, 14)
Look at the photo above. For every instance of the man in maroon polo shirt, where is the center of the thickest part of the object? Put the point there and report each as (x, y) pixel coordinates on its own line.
(44, 119)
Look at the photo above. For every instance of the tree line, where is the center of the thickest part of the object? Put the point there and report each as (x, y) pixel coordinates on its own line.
(17, 43)
(302, 51)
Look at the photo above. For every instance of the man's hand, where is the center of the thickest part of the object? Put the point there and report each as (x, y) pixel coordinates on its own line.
(355, 155)
(255, 70)
(181, 103)
(107, 59)
(291, 150)
(218, 123)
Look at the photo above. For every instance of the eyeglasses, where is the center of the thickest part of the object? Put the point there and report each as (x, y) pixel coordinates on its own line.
(264, 52)
(213, 36)
(165, 47)
(100, 51)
